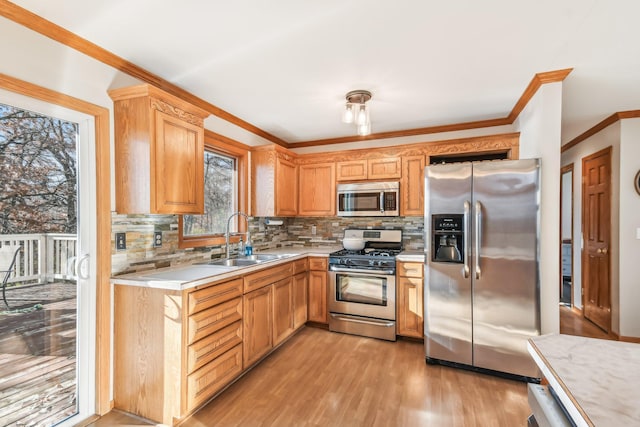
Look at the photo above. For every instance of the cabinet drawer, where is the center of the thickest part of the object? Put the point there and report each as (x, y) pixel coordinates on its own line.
(317, 264)
(213, 319)
(215, 294)
(266, 277)
(212, 377)
(205, 350)
(410, 269)
(300, 266)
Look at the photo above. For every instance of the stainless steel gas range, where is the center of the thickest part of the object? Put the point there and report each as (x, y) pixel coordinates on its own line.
(362, 285)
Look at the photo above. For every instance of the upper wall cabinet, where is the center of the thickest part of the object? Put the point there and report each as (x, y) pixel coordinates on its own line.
(159, 152)
(372, 169)
(411, 186)
(275, 183)
(317, 189)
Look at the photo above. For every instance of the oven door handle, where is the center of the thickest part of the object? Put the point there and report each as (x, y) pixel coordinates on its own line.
(366, 322)
(362, 271)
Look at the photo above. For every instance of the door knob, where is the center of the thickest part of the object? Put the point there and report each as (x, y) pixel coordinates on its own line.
(604, 251)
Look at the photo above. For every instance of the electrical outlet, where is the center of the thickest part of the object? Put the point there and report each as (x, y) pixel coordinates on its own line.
(314, 230)
(121, 241)
(157, 239)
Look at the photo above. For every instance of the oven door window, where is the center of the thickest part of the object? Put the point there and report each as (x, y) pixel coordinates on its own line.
(359, 202)
(361, 289)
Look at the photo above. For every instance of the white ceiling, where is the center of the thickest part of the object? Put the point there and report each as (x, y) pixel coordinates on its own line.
(286, 65)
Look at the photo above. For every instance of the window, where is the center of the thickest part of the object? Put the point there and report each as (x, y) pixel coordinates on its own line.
(220, 197)
(224, 184)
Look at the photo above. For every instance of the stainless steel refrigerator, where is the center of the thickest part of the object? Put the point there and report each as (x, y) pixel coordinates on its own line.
(482, 281)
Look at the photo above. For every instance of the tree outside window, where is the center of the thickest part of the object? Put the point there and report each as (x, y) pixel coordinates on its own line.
(220, 197)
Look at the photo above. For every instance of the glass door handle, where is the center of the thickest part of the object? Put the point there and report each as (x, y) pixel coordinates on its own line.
(79, 270)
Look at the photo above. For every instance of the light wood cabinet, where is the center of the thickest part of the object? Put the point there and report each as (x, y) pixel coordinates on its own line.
(409, 308)
(412, 186)
(258, 324)
(317, 310)
(351, 170)
(283, 310)
(275, 184)
(300, 285)
(369, 169)
(384, 168)
(173, 350)
(159, 152)
(317, 196)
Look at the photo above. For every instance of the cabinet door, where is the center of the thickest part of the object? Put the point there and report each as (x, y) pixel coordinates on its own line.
(317, 190)
(412, 186)
(350, 171)
(299, 299)
(282, 310)
(178, 168)
(410, 311)
(387, 168)
(286, 188)
(318, 296)
(258, 324)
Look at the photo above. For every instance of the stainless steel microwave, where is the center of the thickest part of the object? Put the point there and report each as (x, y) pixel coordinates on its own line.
(369, 199)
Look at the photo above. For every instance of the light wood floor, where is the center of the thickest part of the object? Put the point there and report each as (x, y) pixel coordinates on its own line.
(574, 323)
(321, 378)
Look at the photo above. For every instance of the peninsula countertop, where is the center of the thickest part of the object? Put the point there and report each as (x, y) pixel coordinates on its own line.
(597, 381)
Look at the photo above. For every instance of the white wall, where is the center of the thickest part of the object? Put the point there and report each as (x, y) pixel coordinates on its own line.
(629, 222)
(539, 124)
(609, 137)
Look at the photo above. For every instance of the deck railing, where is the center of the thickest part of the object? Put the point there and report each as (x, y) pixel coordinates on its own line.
(43, 258)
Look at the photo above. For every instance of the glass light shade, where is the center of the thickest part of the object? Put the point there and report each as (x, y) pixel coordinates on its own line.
(363, 116)
(347, 114)
(364, 129)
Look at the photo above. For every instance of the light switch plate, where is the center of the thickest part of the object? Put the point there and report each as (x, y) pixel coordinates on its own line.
(121, 241)
(638, 233)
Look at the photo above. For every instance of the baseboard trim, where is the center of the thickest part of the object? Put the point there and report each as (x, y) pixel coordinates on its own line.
(629, 339)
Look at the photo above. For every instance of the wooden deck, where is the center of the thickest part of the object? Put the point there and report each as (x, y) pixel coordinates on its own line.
(38, 355)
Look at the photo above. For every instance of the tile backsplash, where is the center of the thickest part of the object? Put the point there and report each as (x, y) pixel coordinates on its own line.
(298, 232)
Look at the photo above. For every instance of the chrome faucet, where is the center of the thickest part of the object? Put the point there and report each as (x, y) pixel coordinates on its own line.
(226, 234)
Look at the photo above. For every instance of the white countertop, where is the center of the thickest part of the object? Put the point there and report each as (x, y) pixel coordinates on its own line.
(411, 256)
(189, 276)
(597, 381)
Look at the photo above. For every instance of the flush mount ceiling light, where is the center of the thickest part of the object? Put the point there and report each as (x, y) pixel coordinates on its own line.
(356, 111)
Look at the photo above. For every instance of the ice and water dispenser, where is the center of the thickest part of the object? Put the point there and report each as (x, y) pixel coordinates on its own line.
(448, 238)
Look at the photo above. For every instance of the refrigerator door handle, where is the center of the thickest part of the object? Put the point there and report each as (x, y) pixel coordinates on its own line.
(477, 237)
(467, 242)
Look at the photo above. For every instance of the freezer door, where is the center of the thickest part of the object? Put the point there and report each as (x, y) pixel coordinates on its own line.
(506, 302)
(447, 295)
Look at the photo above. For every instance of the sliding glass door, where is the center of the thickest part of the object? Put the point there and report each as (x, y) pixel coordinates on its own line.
(47, 243)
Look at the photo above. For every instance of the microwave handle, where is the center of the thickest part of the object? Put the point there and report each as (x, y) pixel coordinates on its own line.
(382, 201)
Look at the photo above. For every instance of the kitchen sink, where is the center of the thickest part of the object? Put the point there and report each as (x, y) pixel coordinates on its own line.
(234, 262)
(248, 260)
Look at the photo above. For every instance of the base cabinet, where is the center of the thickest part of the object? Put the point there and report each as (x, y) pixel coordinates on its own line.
(258, 324)
(173, 350)
(410, 313)
(282, 310)
(318, 290)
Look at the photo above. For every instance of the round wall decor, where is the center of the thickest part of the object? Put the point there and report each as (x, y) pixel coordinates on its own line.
(636, 182)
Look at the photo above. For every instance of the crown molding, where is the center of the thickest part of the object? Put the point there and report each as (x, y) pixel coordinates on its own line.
(538, 80)
(55, 32)
(630, 114)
